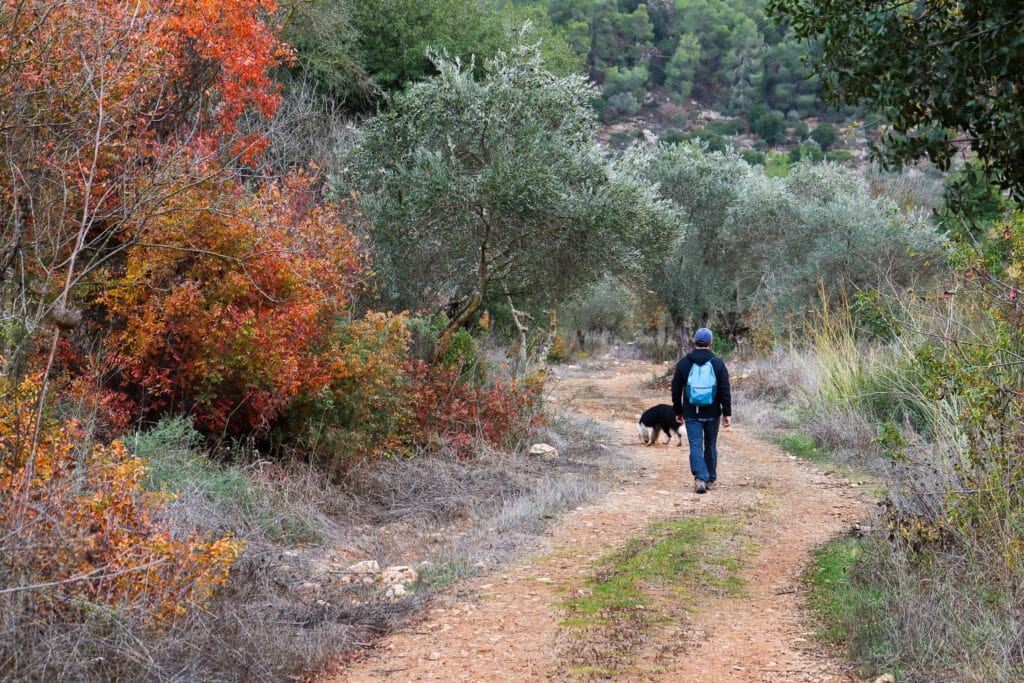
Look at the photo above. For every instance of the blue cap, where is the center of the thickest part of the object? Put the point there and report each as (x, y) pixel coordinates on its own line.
(703, 337)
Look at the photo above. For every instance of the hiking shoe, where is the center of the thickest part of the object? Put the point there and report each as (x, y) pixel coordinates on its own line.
(711, 485)
(700, 485)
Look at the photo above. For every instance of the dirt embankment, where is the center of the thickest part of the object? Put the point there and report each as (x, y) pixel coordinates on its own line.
(508, 625)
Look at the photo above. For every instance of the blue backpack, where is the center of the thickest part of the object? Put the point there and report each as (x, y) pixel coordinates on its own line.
(701, 384)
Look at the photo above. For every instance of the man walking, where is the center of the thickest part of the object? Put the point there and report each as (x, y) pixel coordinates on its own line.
(700, 396)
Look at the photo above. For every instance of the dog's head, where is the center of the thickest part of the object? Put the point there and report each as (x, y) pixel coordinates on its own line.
(646, 433)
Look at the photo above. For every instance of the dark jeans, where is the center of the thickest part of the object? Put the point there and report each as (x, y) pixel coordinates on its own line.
(703, 437)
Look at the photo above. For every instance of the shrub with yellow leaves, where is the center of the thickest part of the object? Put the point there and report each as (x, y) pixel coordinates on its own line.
(78, 529)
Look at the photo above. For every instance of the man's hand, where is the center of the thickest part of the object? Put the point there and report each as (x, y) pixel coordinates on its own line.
(726, 421)
(679, 419)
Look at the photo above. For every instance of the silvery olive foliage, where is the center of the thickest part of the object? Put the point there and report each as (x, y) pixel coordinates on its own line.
(777, 244)
(476, 186)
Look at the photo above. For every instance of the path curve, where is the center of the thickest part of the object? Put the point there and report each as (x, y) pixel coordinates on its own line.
(504, 626)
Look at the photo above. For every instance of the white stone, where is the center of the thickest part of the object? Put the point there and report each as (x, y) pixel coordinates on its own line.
(543, 450)
(365, 567)
(398, 590)
(399, 574)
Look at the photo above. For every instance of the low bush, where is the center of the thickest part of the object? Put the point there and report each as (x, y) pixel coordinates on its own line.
(361, 413)
(453, 411)
(227, 314)
(711, 141)
(753, 157)
(672, 136)
(82, 540)
(838, 156)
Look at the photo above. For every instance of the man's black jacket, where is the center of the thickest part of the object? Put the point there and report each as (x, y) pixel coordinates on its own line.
(723, 398)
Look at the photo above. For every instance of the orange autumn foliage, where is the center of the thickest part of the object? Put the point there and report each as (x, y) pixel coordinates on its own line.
(229, 307)
(128, 70)
(109, 109)
(79, 528)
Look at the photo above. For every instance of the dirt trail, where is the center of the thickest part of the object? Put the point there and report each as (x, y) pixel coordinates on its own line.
(505, 625)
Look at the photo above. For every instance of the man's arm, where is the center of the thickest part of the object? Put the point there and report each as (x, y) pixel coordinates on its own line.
(724, 393)
(678, 382)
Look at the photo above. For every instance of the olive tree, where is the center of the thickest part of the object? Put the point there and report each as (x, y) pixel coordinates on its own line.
(777, 243)
(480, 186)
(693, 278)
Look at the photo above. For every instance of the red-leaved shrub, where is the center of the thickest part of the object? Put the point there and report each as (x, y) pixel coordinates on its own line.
(457, 411)
(228, 309)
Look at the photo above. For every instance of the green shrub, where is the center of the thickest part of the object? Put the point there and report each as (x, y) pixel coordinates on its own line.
(839, 156)
(752, 157)
(461, 351)
(805, 152)
(177, 465)
(673, 136)
(825, 135)
(713, 142)
(622, 104)
(769, 125)
(941, 586)
(680, 120)
(726, 127)
(424, 331)
(362, 414)
(776, 165)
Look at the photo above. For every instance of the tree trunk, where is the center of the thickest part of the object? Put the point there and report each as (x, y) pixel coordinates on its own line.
(458, 321)
(519, 359)
(545, 349)
(472, 305)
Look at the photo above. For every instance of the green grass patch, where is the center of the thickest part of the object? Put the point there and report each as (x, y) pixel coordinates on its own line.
(802, 446)
(849, 611)
(445, 574)
(676, 555)
(645, 588)
(177, 465)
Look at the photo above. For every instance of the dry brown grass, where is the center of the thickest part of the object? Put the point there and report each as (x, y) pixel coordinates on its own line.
(267, 624)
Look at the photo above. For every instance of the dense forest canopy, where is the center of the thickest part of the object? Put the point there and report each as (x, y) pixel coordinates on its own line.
(727, 54)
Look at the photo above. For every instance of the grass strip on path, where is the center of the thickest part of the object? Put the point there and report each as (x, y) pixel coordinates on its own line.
(630, 613)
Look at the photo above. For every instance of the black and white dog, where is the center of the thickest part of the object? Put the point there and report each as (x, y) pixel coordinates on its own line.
(660, 418)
